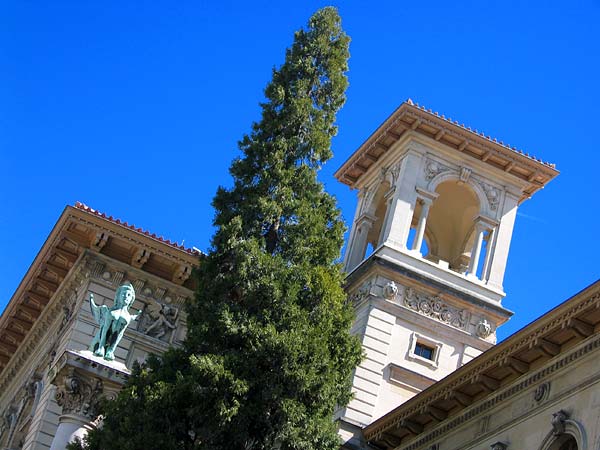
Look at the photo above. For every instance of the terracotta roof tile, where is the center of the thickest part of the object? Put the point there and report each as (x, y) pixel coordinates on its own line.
(173, 244)
(483, 135)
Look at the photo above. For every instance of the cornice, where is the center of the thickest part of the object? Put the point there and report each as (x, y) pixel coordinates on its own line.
(80, 229)
(39, 331)
(538, 378)
(409, 119)
(551, 337)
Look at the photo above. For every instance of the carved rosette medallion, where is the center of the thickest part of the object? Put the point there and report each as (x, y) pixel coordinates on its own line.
(542, 392)
(434, 307)
(79, 395)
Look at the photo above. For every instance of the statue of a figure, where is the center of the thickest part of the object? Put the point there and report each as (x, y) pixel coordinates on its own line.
(113, 321)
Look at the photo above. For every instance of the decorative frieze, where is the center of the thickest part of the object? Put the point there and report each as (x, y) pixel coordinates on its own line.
(434, 307)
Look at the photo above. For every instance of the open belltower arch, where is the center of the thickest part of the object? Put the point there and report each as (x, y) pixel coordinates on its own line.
(427, 253)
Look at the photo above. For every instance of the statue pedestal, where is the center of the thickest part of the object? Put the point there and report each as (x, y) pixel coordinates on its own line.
(82, 379)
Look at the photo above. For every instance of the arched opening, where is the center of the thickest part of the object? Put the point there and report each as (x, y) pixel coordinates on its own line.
(450, 225)
(378, 211)
(564, 442)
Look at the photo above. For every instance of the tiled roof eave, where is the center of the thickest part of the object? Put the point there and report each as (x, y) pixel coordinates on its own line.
(474, 142)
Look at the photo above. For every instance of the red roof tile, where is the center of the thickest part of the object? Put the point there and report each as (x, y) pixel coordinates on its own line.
(87, 209)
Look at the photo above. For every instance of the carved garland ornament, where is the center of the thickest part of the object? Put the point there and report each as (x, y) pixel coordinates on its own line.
(492, 194)
(436, 309)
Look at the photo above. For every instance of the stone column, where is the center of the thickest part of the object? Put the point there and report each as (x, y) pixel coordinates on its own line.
(420, 232)
(402, 205)
(488, 254)
(502, 240)
(82, 380)
(476, 251)
(482, 224)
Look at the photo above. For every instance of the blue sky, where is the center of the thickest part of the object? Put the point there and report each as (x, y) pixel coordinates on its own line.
(135, 109)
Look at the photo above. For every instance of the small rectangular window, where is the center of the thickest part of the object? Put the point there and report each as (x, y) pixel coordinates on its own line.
(424, 351)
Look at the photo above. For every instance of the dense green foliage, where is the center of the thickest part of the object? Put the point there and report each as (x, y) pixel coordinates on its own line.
(268, 355)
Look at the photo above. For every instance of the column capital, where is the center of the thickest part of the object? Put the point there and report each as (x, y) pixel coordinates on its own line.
(83, 379)
(79, 394)
(426, 196)
(485, 223)
(365, 220)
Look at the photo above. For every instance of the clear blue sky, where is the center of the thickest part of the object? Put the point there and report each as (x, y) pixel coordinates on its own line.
(135, 108)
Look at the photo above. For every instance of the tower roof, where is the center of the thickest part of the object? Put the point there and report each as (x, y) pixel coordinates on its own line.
(410, 117)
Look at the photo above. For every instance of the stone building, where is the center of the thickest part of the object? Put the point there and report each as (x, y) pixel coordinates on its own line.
(48, 387)
(425, 260)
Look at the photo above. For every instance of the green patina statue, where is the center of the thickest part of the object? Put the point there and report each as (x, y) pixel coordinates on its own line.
(113, 321)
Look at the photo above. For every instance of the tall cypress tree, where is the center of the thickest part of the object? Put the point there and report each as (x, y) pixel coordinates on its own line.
(268, 355)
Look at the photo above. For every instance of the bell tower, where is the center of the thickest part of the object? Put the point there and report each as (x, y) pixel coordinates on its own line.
(427, 252)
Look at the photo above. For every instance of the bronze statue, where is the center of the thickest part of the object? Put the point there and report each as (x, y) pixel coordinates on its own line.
(113, 321)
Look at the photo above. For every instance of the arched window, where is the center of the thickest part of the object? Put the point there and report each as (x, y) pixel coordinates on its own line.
(564, 442)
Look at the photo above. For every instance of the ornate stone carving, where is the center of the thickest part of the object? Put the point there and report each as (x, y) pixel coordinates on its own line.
(542, 392)
(118, 277)
(434, 168)
(390, 290)
(558, 422)
(368, 194)
(19, 411)
(362, 293)
(79, 395)
(492, 194)
(392, 172)
(159, 320)
(140, 257)
(465, 173)
(97, 269)
(435, 308)
(483, 329)
(100, 240)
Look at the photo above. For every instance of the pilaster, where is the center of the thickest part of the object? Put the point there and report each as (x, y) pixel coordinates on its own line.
(82, 380)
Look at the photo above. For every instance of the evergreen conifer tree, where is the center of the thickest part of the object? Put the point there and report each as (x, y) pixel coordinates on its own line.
(268, 355)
